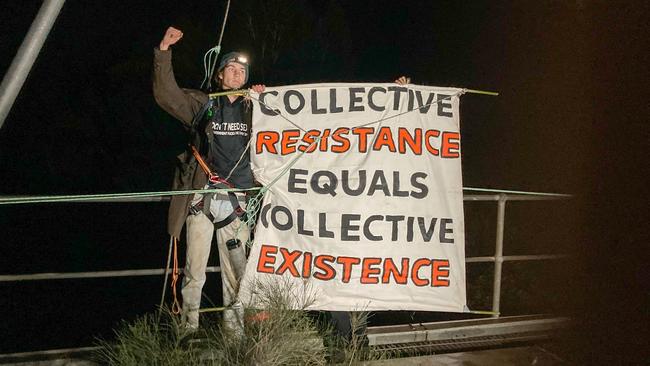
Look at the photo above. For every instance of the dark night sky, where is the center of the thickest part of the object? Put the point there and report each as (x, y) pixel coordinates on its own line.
(90, 87)
(567, 71)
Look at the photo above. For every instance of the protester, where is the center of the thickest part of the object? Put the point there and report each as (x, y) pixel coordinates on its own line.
(219, 131)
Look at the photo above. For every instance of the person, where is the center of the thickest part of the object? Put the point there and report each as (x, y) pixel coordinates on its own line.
(219, 132)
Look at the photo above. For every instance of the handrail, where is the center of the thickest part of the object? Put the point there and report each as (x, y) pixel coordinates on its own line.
(91, 274)
(498, 258)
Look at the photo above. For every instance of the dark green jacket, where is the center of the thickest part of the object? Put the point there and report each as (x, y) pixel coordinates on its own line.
(183, 104)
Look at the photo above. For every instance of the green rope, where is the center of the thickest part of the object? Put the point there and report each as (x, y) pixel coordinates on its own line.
(228, 92)
(101, 197)
(253, 203)
(472, 91)
(252, 208)
(210, 310)
(211, 56)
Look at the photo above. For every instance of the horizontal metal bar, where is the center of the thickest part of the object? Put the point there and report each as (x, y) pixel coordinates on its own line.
(509, 197)
(538, 257)
(161, 271)
(97, 274)
(509, 191)
(462, 329)
(479, 259)
(65, 353)
(513, 258)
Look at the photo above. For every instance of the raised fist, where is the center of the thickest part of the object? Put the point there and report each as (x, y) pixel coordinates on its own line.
(172, 35)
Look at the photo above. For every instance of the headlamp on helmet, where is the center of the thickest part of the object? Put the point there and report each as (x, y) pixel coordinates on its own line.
(237, 57)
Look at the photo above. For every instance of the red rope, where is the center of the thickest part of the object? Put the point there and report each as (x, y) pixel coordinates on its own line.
(176, 307)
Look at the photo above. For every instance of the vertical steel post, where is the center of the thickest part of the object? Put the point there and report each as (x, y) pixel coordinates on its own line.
(26, 56)
(498, 256)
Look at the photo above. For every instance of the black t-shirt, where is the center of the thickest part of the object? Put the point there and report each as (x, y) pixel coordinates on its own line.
(230, 138)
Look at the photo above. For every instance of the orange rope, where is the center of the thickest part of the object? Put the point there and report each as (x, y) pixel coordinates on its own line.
(176, 307)
(202, 163)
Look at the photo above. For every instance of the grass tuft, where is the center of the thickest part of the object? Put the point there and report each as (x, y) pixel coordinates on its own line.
(274, 334)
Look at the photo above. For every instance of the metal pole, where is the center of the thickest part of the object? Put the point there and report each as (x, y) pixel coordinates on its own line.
(169, 259)
(498, 256)
(27, 53)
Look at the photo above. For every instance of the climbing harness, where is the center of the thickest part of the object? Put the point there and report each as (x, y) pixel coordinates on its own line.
(216, 182)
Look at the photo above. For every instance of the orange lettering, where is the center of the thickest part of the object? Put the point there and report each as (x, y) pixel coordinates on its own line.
(450, 144)
(267, 139)
(440, 269)
(363, 133)
(266, 258)
(414, 142)
(289, 139)
(384, 138)
(417, 281)
(367, 271)
(324, 138)
(345, 143)
(320, 263)
(309, 138)
(347, 263)
(391, 269)
(306, 265)
(427, 143)
(289, 262)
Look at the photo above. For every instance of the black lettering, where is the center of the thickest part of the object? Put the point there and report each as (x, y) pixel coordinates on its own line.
(326, 187)
(354, 99)
(409, 228)
(345, 183)
(301, 224)
(287, 101)
(366, 228)
(264, 108)
(371, 103)
(411, 100)
(293, 180)
(274, 218)
(424, 190)
(346, 227)
(427, 233)
(444, 101)
(314, 103)
(394, 229)
(421, 105)
(444, 230)
(322, 226)
(379, 183)
(396, 191)
(263, 213)
(333, 107)
(398, 90)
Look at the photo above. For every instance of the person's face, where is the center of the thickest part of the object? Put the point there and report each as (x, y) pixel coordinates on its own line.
(233, 76)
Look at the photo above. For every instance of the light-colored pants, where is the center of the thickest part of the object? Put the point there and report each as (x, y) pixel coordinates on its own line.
(199, 240)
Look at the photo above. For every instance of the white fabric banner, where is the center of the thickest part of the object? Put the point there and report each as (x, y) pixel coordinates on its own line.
(367, 211)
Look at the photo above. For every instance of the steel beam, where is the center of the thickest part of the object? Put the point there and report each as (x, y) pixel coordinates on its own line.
(26, 56)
